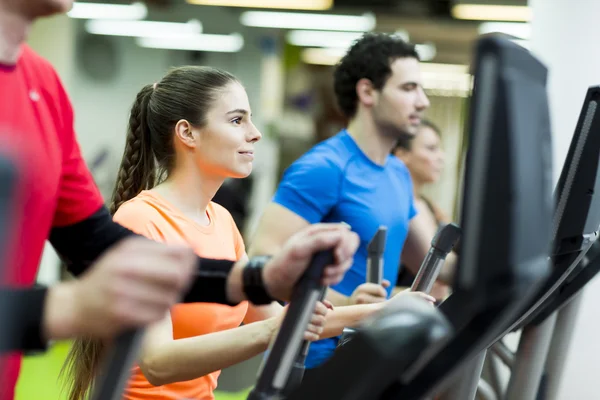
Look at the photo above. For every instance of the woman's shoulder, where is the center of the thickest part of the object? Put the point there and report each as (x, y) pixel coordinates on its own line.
(142, 208)
(435, 210)
(219, 212)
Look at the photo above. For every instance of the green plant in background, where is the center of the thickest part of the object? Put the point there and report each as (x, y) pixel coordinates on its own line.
(39, 377)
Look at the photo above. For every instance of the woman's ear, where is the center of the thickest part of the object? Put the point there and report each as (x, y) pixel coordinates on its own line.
(184, 133)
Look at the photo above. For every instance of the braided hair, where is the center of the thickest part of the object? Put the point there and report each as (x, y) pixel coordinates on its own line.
(137, 170)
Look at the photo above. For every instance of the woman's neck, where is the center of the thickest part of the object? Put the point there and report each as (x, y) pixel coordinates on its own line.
(190, 192)
(13, 33)
(417, 188)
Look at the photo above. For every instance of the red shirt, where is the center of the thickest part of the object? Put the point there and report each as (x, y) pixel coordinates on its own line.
(36, 125)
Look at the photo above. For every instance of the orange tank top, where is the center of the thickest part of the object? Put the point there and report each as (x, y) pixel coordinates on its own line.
(150, 215)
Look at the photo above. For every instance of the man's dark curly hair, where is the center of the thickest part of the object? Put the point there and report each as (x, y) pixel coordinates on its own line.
(369, 57)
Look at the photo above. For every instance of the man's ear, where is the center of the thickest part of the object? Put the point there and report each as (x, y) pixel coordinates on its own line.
(184, 133)
(366, 92)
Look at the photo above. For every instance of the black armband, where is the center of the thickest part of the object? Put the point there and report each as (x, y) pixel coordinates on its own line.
(80, 244)
(210, 282)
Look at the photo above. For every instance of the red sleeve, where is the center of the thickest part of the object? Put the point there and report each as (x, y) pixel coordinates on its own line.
(78, 195)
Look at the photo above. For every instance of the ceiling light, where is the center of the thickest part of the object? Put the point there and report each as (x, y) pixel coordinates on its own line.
(516, 29)
(446, 79)
(279, 4)
(402, 34)
(143, 28)
(440, 68)
(322, 56)
(331, 56)
(133, 11)
(322, 38)
(203, 42)
(426, 51)
(290, 20)
(491, 12)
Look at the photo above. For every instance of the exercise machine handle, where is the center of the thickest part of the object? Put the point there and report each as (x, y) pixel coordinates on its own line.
(441, 245)
(297, 372)
(289, 344)
(375, 250)
(115, 373)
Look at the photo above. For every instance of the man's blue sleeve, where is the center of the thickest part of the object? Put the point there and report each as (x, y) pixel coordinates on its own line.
(413, 209)
(310, 187)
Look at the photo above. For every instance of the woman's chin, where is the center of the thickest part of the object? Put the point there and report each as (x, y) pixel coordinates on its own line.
(241, 173)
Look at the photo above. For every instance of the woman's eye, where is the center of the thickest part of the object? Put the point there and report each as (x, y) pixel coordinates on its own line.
(237, 120)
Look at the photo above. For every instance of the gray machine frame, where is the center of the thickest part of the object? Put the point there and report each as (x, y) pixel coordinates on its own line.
(546, 326)
(518, 89)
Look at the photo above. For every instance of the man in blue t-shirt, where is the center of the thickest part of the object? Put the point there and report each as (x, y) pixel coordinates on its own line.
(352, 177)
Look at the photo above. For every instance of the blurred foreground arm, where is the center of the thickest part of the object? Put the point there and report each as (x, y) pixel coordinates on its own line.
(215, 281)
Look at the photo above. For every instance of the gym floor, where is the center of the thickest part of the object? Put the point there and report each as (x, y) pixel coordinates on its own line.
(39, 377)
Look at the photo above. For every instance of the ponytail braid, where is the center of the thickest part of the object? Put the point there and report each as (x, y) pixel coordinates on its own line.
(137, 170)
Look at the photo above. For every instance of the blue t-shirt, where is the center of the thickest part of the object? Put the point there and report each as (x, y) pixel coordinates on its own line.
(334, 182)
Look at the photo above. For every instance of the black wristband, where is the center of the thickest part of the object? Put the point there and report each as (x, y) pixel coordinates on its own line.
(32, 339)
(22, 312)
(254, 287)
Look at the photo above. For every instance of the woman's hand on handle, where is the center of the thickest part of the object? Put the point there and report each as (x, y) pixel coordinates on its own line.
(315, 327)
(318, 320)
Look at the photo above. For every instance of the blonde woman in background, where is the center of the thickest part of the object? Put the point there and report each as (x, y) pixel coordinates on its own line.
(424, 157)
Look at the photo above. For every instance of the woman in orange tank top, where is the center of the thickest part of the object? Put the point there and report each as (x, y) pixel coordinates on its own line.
(196, 125)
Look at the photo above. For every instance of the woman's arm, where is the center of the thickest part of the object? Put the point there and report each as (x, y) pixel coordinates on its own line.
(261, 313)
(347, 316)
(336, 320)
(164, 360)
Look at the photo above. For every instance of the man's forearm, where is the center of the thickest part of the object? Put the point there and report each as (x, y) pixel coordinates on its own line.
(336, 298)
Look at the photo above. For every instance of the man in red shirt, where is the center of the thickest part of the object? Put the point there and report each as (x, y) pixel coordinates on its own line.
(136, 281)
